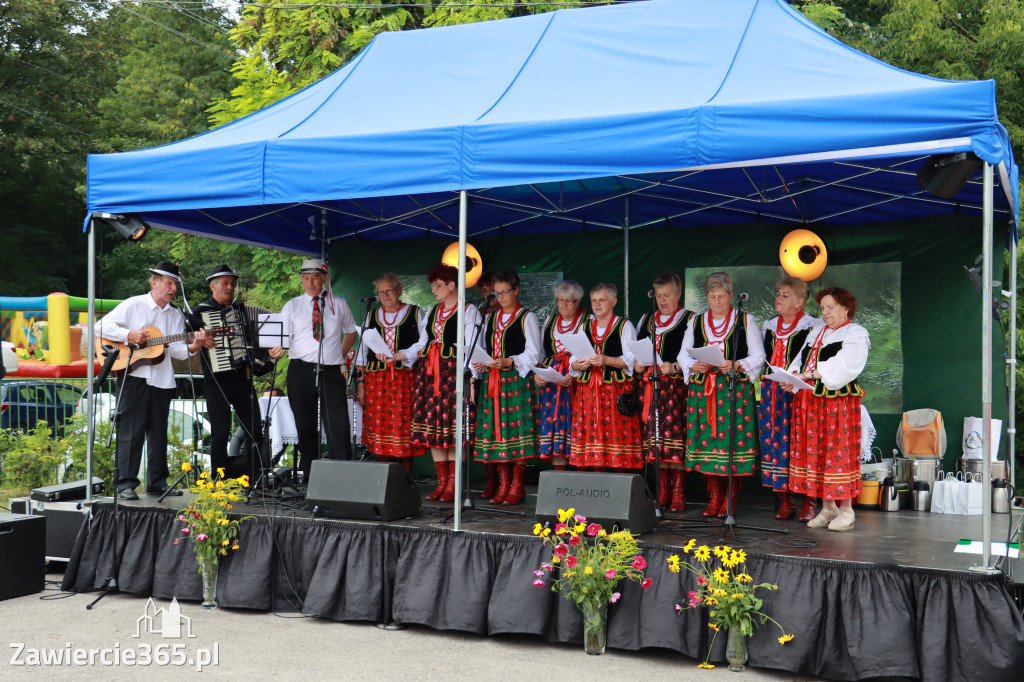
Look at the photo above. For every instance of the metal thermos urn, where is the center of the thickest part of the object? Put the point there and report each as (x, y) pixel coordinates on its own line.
(889, 498)
(922, 496)
(1000, 496)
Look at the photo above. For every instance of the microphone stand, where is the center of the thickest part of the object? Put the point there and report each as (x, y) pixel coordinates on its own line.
(356, 374)
(655, 441)
(317, 385)
(467, 497)
(111, 583)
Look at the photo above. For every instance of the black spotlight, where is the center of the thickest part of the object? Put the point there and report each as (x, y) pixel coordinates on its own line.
(128, 226)
(944, 175)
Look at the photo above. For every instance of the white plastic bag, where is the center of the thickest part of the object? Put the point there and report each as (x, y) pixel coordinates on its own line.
(942, 492)
(973, 441)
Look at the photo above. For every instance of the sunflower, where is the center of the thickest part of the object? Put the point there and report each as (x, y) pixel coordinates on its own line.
(673, 563)
(703, 553)
(721, 575)
(721, 551)
(739, 555)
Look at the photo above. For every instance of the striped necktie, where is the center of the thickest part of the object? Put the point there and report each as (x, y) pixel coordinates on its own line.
(318, 319)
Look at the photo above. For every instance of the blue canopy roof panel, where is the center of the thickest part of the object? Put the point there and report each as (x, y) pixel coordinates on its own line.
(701, 113)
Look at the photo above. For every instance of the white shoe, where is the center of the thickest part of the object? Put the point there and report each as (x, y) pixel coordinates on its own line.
(823, 519)
(843, 521)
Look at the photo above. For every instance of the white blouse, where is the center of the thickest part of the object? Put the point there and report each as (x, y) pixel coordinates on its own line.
(412, 352)
(524, 362)
(848, 363)
(627, 333)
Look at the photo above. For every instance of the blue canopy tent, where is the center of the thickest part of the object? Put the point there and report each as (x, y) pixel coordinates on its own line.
(612, 117)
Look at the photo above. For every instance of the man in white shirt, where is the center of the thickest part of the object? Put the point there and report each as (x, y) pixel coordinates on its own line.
(321, 332)
(145, 401)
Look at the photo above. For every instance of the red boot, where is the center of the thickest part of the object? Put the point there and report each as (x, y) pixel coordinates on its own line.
(786, 507)
(492, 480)
(716, 497)
(665, 478)
(406, 463)
(449, 490)
(678, 490)
(724, 510)
(442, 479)
(809, 509)
(505, 471)
(559, 467)
(516, 492)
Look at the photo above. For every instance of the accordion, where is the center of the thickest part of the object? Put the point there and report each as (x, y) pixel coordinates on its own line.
(232, 350)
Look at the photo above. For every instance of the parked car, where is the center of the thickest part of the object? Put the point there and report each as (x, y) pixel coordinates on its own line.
(29, 401)
(183, 414)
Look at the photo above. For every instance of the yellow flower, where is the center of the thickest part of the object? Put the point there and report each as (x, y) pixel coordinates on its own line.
(785, 638)
(233, 497)
(736, 595)
(713, 626)
(602, 533)
(220, 484)
(243, 480)
(570, 574)
(721, 575)
(222, 522)
(718, 592)
(224, 552)
(721, 551)
(689, 545)
(673, 563)
(731, 561)
(537, 528)
(711, 601)
(228, 506)
(562, 530)
(226, 542)
(203, 475)
(580, 527)
(739, 556)
(703, 553)
(234, 546)
(705, 664)
(588, 570)
(565, 514)
(546, 532)
(556, 559)
(744, 578)
(186, 466)
(220, 471)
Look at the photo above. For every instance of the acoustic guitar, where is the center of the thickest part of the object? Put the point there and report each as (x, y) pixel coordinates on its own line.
(150, 351)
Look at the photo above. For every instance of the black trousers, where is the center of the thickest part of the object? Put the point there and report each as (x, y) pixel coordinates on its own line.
(144, 411)
(302, 397)
(226, 390)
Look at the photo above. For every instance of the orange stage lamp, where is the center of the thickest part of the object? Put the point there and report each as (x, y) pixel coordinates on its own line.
(474, 264)
(803, 255)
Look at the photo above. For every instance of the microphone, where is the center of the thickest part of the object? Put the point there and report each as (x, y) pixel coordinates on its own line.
(487, 300)
(650, 294)
(743, 297)
(369, 299)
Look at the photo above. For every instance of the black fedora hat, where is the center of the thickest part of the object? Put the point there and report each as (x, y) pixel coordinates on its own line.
(167, 270)
(222, 270)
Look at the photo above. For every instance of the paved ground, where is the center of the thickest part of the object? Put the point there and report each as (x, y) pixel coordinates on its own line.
(258, 645)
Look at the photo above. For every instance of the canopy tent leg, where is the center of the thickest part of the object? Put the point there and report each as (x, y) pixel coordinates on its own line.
(1011, 362)
(460, 356)
(625, 259)
(986, 372)
(90, 409)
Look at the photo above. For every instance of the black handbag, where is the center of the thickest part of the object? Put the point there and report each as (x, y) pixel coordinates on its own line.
(628, 404)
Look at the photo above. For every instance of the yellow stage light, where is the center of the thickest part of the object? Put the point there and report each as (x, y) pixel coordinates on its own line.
(803, 255)
(474, 264)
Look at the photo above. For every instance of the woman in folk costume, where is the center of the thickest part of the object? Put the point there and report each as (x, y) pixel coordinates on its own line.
(784, 336)
(434, 416)
(667, 326)
(506, 426)
(386, 391)
(556, 398)
(824, 458)
(709, 420)
(602, 436)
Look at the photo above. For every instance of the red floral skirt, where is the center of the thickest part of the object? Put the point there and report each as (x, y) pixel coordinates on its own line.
(824, 454)
(433, 416)
(671, 419)
(601, 435)
(387, 417)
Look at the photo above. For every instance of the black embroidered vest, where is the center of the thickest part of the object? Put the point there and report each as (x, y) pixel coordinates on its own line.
(737, 335)
(671, 340)
(513, 340)
(548, 336)
(406, 334)
(826, 352)
(612, 347)
(449, 333)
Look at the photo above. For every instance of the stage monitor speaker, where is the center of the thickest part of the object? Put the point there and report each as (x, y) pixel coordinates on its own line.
(22, 558)
(622, 500)
(380, 491)
(944, 175)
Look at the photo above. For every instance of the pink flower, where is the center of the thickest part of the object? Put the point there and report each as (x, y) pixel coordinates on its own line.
(176, 542)
(559, 527)
(574, 540)
(570, 561)
(694, 599)
(180, 517)
(561, 549)
(679, 609)
(615, 597)
(593, 529)
(610, 574)
(646, 583)
(538, 583)
(580, 518)
(639, 562)
(186, 531)
(538, 572)
(202, 537)
(701, 580)
(546, 566)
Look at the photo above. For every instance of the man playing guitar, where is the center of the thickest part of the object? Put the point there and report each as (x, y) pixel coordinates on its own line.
(149, 386)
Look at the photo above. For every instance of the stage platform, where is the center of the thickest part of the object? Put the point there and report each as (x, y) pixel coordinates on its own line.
(889, 598)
